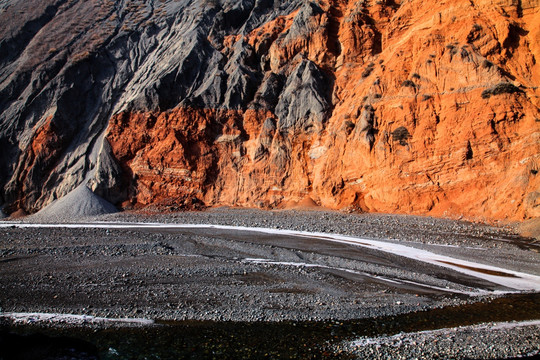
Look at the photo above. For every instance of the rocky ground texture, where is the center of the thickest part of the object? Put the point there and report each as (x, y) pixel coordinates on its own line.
(173, 274)
(490, 341)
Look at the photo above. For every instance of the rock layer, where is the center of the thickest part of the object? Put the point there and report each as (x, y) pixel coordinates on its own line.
(411, 107)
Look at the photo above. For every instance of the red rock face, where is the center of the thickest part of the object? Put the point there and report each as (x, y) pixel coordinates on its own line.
(42, 152)
(419, 123)
(417, 107)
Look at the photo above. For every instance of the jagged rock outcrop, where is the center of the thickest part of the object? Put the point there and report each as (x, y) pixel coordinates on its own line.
(389, 106)
(303, 104)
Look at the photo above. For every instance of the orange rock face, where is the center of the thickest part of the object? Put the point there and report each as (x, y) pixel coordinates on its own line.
(42, 151)
(435, 111)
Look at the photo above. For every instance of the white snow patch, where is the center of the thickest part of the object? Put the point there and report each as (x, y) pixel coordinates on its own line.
(30, 318)
(508, 278)
(513, 325)
(401, 338)
(286, 263)
(376, 277)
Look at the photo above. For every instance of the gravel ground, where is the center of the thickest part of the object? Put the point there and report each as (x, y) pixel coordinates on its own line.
(426, 230)
(486, 341)
(194, 275)
(205, 275)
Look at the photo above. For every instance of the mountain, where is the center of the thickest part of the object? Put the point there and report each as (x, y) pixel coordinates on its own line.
(423, 107)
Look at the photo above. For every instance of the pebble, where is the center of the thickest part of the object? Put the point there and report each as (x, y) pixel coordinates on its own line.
(222, 289)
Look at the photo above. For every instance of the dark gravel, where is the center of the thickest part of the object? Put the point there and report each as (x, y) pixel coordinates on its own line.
(486, 341)
(183, 275)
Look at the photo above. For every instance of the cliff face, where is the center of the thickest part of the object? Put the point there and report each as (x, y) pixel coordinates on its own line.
(417, 107)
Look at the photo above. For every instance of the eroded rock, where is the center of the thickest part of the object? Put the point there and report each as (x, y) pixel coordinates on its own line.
(263, 103)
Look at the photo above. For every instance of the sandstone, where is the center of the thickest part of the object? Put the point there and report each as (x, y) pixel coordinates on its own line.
(531, 228)
(405, 107)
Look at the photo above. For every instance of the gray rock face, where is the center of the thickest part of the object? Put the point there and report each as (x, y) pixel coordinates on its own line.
(265, 139)
(271, 87)
(67, 67)
(302, 25)
(107, 181)
(364, 130)
(303, 104)
(243, 77)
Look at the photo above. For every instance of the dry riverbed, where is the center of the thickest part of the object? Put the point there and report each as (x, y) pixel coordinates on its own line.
(125, 269)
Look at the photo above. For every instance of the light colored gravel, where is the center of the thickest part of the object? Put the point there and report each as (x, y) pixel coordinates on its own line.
(78, 204)
(485, 341)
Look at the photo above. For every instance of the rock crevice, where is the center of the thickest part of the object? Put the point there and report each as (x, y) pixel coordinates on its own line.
(411, 107)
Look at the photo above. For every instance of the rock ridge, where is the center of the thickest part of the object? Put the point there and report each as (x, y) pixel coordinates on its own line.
(378, 106)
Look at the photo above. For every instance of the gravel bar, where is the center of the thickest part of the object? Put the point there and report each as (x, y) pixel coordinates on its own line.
(174, 275)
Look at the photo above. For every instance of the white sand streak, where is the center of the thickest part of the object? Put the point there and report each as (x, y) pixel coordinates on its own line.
(402, 338)
(497, 275)
(30, 318)
(362, 273)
